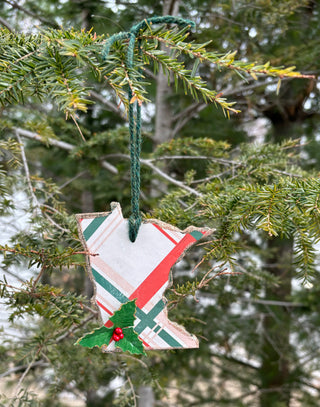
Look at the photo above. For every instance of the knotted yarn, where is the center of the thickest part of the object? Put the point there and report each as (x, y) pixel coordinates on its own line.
(134, 109)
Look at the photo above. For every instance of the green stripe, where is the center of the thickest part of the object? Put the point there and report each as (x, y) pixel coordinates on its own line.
(196, 234)
(89, 231)
(147, 320)
(109, 287)
(168, 338)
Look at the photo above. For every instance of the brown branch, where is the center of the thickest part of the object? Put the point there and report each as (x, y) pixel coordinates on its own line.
(27, 254)
(40, 274)
(39, 363)
(75, 328)
(148, 163)
(17, 6)
(114, 108)
(60, 144)
(6, 24)
(18, 386)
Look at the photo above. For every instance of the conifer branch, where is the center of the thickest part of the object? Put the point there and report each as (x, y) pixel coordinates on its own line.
(60, 144)
(30, 13)
(157, 170)
(6, 24)
(38, 363)
(111, 106)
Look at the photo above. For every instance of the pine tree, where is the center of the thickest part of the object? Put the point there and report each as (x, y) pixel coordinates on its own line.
(261, 199)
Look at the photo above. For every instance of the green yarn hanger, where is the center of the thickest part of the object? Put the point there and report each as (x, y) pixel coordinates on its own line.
(134, 111)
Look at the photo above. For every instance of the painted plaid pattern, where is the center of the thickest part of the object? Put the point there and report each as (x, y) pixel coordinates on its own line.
(124, 271)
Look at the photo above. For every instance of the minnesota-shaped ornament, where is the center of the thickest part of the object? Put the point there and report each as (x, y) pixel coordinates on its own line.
(138, 272)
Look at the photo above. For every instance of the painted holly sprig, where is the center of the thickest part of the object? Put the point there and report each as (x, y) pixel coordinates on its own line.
(122, 332)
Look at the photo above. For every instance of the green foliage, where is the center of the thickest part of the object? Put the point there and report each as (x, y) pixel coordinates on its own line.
(254, 192)
(48, 64)
(61, 308)
(23, 399)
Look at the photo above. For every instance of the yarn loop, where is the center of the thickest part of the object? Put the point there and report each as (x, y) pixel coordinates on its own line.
(134, 110)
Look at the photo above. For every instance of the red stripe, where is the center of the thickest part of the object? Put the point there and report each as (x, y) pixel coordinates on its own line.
(108, 324)
(164, 233)
(145, 343)
(103, 307)
(159, 276)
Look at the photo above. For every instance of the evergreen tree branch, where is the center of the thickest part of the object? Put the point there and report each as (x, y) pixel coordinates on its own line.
(231, 358)
(111, 106)
(167, 177)
(27, 173)
(184, 117)
(73, 329)
(162, 174)
(39, 363)
(31, 364)
(6, 24)
(60, 144)
(30, 13)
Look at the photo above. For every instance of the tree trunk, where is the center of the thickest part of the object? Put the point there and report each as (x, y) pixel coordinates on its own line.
(275, 369)
(145, 397)
(164, 112)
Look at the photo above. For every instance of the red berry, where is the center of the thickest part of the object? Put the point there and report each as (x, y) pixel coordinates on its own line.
(116, 337)
(121, 336)
(118, 331)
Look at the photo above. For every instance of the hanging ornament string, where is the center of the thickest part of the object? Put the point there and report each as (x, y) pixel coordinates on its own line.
(134, 110)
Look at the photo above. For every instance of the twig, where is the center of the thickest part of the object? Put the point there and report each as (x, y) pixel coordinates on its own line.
(148, 163)
(14, 275)
(273, 303)
(27, 172)
(8, 249)
(16, 369)
(214, 176)
(135, 359)
(134, 396)
(86, 307)
(245, 271)
(26, 372)
(60, 144)
(187, 114)
(6, 24)
(196, 157)
(205, 281)
(73, 329)
(114, 108)
(54, 223)
(289, 174)
(44, 266)
(14, 4)
(174, 181)
(32, 194)
(78, 127)
(149, 73)
(72, 179)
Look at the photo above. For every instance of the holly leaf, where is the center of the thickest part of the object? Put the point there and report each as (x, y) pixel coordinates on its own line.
(130, 342)
(125, 316)
(98, 337)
